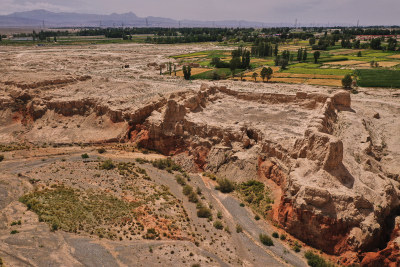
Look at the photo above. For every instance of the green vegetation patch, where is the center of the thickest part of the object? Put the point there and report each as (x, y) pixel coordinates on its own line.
(256, 195)
(13, 147)
(266, 240)
(332, 59)
(224, 185)
(73, 210)
(318, 71)
(167, 164)
(314, 260)
(378, 78)
(209, 54)
(210, 75)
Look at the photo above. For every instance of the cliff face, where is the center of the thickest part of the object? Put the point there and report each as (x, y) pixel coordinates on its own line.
(322, 202)
(334, 202)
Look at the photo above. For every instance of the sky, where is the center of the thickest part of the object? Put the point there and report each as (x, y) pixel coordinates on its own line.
(368, 12)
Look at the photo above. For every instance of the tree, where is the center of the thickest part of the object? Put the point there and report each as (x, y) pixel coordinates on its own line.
(347, 81)
(255, 75)
(305, 54)
(269, 73)
(234, 64)
(392, 44)
(376, 44)
(187, 72)
(264, 73)
(241, 76)
(316, 56)
(311, 41)
(284, 63)
(276, 50)
(215, 61)
(300, 54)
(356, 44)
(170, 68)
(359, 54)
(372, 63)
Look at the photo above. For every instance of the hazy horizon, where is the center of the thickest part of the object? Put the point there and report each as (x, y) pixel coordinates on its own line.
(368, 12)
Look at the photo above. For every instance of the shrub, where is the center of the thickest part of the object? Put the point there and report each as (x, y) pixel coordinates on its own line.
(101, 150)
(296, 247)
(107, 165)
(193, 197)
(85, 156)
(198, 191)
(239, 228)
(54, 226)
(266, 240)
(241, 204)
(203, 212)
(314, 260)
(275, 235)
(141, 160)
(347, 81)
(13, 232)
(180, 180)
(219, 215)
(167, 164)
(1, 158)
(151, 234)
(283, 237)
(257, 217)
(187, 189)
(224, 185)
(218, 225)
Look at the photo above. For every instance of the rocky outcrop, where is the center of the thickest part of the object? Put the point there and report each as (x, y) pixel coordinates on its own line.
(321, 202)
(389, 256)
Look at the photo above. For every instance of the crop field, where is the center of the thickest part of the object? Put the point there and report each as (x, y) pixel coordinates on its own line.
(208, 75)
(194, 71)
(329, 70)
(344, 63)
(378, 78)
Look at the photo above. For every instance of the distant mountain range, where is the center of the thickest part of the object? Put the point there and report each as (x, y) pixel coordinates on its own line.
(40, 18)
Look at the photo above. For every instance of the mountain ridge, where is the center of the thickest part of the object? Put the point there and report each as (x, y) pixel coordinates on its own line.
(39, 17)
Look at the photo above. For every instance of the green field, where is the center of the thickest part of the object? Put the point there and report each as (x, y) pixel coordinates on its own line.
(385, 75)
(208, 75)
(378, 78)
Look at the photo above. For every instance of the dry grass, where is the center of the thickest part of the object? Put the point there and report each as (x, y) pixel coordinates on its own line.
(330, 82)
(395, 56)
(288, 80)
(347, 52)
(385, 64)
(258, 70)
(274, 79)
(194, 71)
(302, 79)
(309, 76)
(345, 62)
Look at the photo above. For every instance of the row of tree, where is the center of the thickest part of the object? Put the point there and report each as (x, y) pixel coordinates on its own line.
(264, 49)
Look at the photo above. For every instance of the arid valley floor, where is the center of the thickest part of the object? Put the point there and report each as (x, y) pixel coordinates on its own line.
(87, 134)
